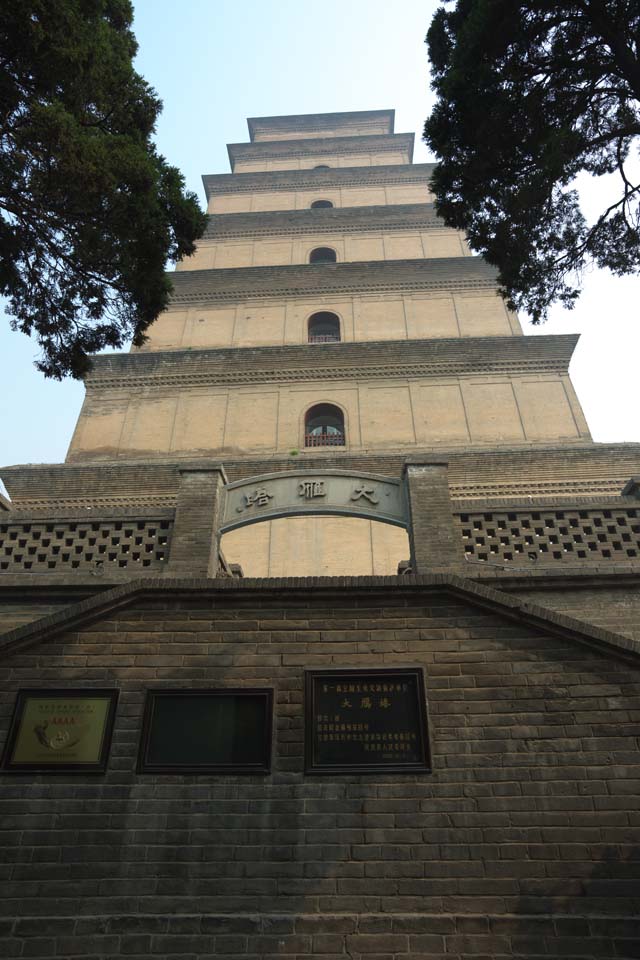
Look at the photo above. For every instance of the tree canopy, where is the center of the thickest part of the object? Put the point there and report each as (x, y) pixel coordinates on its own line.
(529, 96)
(89, 211)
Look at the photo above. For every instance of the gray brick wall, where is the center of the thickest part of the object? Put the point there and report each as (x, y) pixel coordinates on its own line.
(615, 608)
(522, 842)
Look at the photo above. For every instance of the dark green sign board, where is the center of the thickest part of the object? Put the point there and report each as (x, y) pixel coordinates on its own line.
(207, 731)
(359, 721)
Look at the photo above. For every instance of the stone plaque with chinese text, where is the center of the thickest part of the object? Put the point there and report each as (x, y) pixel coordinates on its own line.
(299, 493)
(373, 720)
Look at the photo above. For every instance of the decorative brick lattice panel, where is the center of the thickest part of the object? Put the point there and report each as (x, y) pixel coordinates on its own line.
(42, 546)
(551, 535)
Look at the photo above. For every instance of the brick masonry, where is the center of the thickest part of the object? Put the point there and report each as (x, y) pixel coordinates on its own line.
(522, 842)
(614, 607)
(435, 543)
(582, 471)
(295, 179)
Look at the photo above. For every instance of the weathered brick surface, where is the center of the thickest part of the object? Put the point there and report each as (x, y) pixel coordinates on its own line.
(435, 541)
(523, 842)
(195, 547)
(615, 608)
(510, 471)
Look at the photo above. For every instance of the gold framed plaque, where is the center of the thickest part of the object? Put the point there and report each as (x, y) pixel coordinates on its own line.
(60, 731)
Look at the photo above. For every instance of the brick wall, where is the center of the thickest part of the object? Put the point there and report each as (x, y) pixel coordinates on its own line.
(614, 608)
(522, 842)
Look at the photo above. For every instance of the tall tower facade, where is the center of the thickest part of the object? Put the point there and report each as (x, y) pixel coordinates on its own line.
(438, 758)
(329, 318)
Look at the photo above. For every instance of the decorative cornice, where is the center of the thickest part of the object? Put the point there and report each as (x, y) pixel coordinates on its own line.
(542, 505)
(85, 512)
(396, 359)
(321, 146)
(478, 474)
(320, 279)
(272, 180)
(402, 216)
(310, 122)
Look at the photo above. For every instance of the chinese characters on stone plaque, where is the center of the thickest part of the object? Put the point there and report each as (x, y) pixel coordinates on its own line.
(359, 720)
(368, 493)
(310, 489)
(259, 498)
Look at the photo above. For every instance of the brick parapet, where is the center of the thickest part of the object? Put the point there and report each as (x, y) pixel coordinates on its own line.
(528, 470)
(508, 578)
(324, 590)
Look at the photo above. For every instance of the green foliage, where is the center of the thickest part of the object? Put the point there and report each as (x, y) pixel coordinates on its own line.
(529, 96)
(89, 211)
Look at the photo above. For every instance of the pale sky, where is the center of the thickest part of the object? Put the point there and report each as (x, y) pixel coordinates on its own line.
(215, 63)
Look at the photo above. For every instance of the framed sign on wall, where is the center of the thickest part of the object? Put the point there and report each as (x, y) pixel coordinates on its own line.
(207, 731)
(57, 731)
(361, 721)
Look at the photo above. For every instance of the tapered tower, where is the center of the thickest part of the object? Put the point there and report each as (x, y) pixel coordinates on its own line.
(330, 319)
(439, 761)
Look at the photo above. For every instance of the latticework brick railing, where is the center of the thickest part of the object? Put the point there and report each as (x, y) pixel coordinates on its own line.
(551, 535)
(324, 440)
(42, 546)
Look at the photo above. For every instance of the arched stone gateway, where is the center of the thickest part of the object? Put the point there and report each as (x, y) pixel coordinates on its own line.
(208, 507)
(306, 493)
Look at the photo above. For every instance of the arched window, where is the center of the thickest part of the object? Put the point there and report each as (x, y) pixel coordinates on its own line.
(324, 327)
(321, 203)
(322, 166)
(322, 255)
(324, 426)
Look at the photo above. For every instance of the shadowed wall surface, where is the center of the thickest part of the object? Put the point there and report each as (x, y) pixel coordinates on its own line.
(523, 841)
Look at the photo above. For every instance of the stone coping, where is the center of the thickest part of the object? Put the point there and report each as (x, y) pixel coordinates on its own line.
(66, 584)
(583, 462)
(315, 591)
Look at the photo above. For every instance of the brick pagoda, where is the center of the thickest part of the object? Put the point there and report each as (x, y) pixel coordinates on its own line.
(336, 450)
